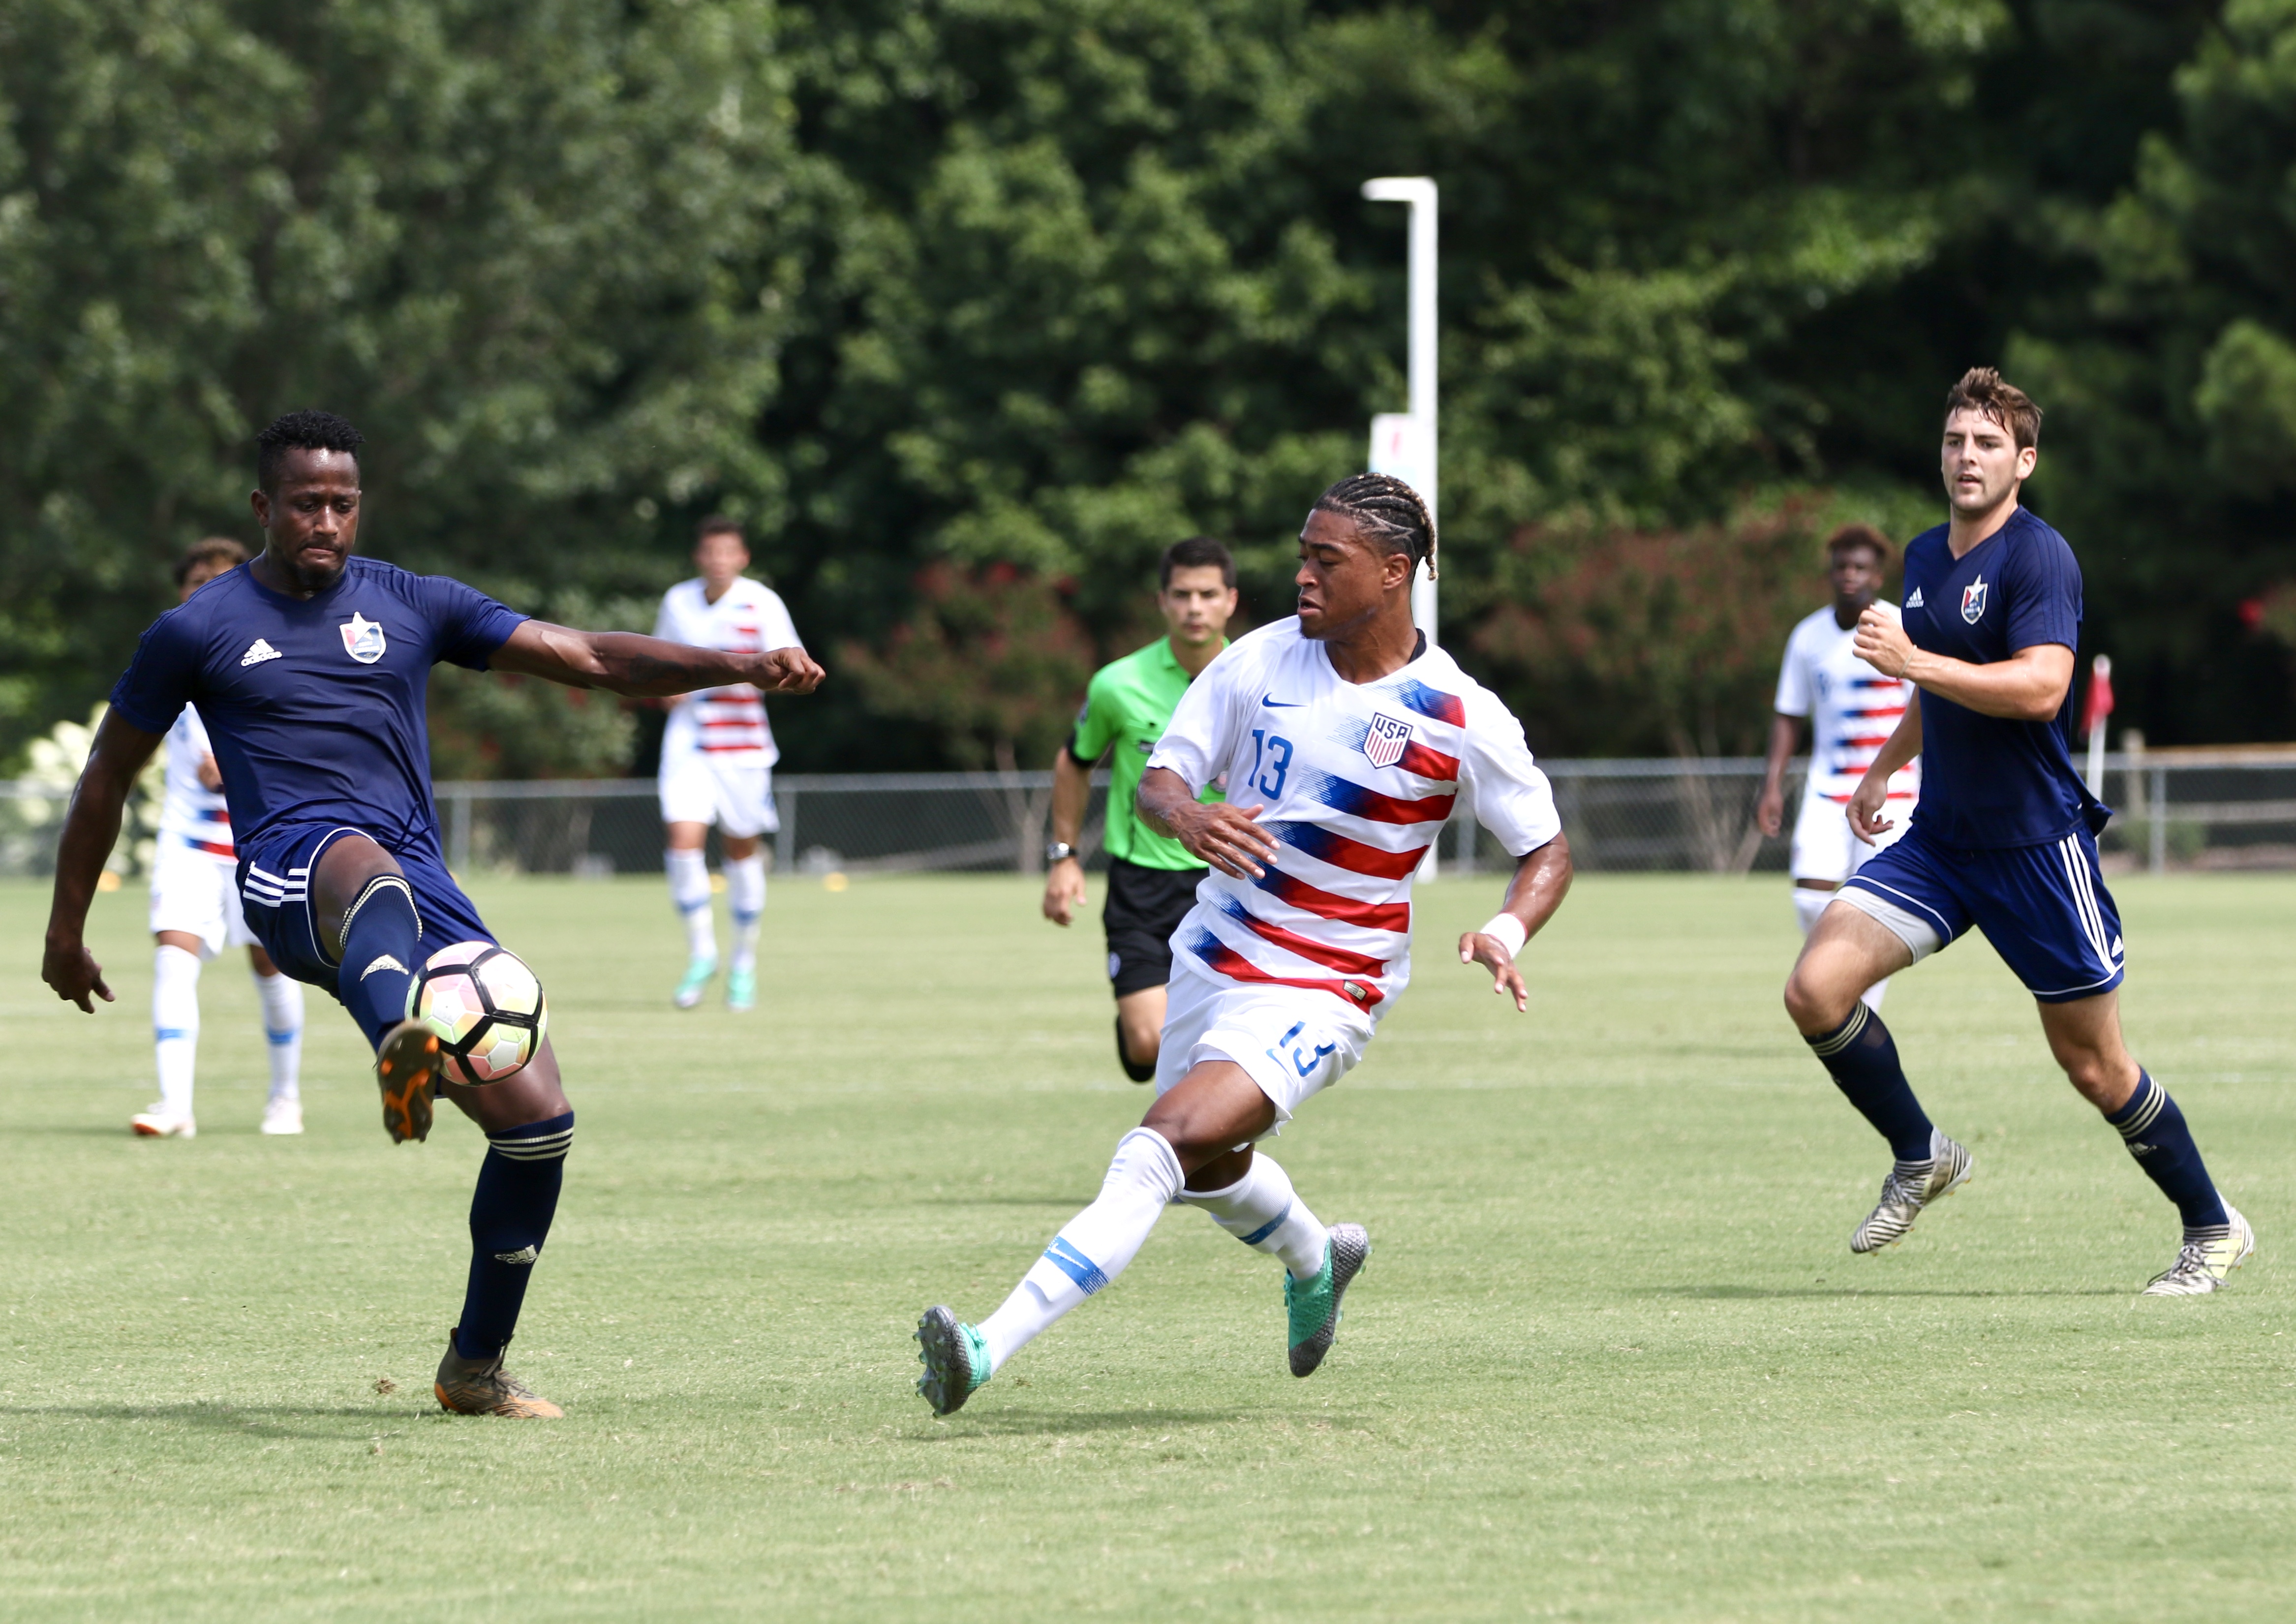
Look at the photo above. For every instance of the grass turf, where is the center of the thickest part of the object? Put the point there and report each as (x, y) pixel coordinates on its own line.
(1610, 1360)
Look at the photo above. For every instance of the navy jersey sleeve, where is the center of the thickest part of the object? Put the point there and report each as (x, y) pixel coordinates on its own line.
(2045, 595)
(468, 624)
(163, 677)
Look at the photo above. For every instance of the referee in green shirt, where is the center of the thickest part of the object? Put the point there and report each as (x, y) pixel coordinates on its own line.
(1152, 879)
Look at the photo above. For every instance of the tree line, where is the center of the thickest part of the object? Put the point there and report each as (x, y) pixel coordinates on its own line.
(967, 307)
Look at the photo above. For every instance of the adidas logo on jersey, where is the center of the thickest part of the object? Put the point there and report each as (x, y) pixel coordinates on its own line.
(1915, 601)
(257, 651)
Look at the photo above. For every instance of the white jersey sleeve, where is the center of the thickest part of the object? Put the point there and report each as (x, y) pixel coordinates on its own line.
(776, 629)
(1510, 796)
(1794, 697)
(1200, 739)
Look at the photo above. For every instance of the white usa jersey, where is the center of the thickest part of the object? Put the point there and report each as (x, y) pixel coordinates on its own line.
(191, 814)
(1356, 783)
(1852, 709)
(727, 726)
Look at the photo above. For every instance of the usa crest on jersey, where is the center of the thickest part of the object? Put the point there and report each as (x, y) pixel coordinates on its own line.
(362, 638)
(1973, 601)
(1383, 744)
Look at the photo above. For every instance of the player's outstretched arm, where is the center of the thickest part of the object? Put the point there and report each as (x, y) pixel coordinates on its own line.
(642, 667)
(91, 829)
(1222, 834)
(1872, 791)
(1541, 880)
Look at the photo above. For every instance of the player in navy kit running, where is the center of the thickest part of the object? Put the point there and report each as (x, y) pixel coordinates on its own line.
(2004, 839)
(309, 667)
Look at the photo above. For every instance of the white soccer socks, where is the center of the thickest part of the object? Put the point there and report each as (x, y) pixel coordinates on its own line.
(176, 1026)
(1807, 906)
(689, 889)
(1261, 1210)
(745, 896)
(1092, 1248)
(281, 996)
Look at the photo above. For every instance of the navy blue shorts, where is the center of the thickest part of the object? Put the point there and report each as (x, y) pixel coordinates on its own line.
(2044, 907)
(274, 874)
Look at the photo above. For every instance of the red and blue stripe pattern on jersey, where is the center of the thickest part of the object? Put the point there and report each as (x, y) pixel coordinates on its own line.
(1326, 904)
(220, 844)
(1343, 795)
(1432, 703)
(1869, 726)
(1328, 846)
(1219, 957)
(1417, 759)
(1332, 958)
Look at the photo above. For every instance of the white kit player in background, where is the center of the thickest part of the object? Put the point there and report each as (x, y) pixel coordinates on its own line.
(717, 756)
(1851, 709)
(196, 914)
(1346, 742)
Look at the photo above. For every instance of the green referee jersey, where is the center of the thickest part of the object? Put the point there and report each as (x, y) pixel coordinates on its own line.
(1126, 708)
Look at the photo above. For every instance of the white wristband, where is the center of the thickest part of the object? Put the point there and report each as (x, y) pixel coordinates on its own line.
(1506, 928)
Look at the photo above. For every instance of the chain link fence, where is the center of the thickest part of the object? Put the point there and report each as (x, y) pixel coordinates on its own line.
(2182, 809)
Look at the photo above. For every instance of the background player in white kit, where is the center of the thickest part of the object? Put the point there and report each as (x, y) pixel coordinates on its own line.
(717, 756)
(196, 914)
(1851, 709)
(1347, 741)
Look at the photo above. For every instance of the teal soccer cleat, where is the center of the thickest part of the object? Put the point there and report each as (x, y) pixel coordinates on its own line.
(1313, 1306)
(955, 1361)
(741, 988)
(698, 971)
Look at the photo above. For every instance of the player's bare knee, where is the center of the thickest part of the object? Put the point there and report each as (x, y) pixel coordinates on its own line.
(1813, 1001)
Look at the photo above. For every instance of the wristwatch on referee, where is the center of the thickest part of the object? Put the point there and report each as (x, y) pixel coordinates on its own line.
(1054, 850)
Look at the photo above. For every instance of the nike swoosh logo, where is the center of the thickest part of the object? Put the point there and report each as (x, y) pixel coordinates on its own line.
(1283, 704)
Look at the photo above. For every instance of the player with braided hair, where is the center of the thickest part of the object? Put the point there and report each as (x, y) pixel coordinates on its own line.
(1345, 739)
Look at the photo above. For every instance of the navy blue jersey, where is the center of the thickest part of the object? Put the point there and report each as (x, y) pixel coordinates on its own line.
(315, 707)
(1988, 782)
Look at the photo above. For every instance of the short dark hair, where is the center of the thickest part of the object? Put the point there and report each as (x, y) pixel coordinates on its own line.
(304, 430)
(719, 524)
(1861, 536)
(1196, 553)
(1388, 511)
(221, 550)
(1982, 389)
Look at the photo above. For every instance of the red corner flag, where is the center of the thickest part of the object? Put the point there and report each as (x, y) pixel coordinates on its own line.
(2097, 704)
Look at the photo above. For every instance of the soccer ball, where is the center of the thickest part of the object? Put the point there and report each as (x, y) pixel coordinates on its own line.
(486, 1007)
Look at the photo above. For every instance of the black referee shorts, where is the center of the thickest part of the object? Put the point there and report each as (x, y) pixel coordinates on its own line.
(1144, 907)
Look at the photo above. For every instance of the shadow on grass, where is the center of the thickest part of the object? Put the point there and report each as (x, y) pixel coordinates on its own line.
(248, 1420)
(1038, 1423)
(1760, 1294)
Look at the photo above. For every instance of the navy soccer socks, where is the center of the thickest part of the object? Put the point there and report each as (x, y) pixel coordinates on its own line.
(383, 948)
(1862, 1058)
(510, 1219)
(2154, 1131)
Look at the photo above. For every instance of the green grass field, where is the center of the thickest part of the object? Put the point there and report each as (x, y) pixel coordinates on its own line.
(1611, 1359)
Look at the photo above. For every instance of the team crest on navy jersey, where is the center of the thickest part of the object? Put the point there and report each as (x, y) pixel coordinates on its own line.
(1973, 601)
(362, 638)
(1385, 742)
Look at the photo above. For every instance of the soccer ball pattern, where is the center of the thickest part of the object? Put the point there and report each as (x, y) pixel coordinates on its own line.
(486, 1007)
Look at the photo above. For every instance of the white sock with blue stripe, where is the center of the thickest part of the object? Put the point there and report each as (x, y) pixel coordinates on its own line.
(175, 1025)
(745, 896)
(1092, 1248)
(689, 889)
(281, 996)
(1261, 1211)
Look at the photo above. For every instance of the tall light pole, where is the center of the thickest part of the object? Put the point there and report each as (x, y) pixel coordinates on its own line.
(1403, 444)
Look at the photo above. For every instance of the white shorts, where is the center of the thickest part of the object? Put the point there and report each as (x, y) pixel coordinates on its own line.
(738, 799)
(1293, 1040)
(199, 895)
(1825, 847)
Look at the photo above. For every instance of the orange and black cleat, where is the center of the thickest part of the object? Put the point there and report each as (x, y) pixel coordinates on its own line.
(482, 1387)
(406, 1067)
